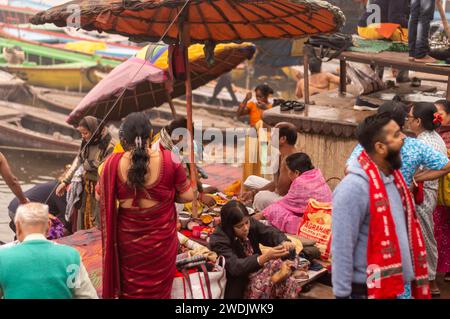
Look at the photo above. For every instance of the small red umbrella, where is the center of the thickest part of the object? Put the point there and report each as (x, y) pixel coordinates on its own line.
(145, 83)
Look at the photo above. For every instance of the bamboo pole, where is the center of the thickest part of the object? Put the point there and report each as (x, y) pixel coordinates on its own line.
(186, 40)
(443, 18)
(306, 77)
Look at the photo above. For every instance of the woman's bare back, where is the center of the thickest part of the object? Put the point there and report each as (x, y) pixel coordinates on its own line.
(153, 171)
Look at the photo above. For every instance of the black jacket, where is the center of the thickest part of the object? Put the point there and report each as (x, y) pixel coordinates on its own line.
(238, 266)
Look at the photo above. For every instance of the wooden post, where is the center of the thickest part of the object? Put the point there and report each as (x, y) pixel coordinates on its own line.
(247, 79)
(443, 17)
(186, 40)
(448, 88)
(306, 77)
(343, 77)
(172, 107)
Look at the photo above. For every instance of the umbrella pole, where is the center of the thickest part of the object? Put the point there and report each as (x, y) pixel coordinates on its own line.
(172, 107)
(306, 77)
(441, 10)
(192, 169)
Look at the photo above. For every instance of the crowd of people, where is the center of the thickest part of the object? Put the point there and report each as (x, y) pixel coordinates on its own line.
(395, 226)
(391, 218)
(397, 176)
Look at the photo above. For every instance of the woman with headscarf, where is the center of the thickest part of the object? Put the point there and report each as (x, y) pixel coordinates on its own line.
(96, 146)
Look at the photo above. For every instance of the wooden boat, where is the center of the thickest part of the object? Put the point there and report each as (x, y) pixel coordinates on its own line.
(36, 5)
(55, 100)
(64, 102)
(20, 12)
(96, 36)
(43, 27)
(33, 128)
(207, 119)
(54, 68)
(65, 42)
(203, 120)
(225, 111)
(11, 87)
(17, 15)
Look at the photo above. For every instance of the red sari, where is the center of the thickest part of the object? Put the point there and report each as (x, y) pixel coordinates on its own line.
(140, 244)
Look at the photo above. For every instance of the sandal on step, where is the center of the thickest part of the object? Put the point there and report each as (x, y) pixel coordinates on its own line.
(435, 293)
(415, 83)
(447, 277)
(277, 102)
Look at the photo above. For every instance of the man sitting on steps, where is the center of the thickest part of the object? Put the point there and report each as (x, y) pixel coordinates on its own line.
(264, 192)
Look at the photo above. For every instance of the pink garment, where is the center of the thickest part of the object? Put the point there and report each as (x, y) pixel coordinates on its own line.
(286, 213)
(441, 218)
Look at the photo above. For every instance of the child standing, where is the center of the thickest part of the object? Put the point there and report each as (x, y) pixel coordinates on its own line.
(422, 13)
(255, 109)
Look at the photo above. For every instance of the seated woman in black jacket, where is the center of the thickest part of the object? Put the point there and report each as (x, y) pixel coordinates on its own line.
(250, 273)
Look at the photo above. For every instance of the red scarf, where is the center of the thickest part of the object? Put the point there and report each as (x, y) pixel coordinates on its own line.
(383, 248)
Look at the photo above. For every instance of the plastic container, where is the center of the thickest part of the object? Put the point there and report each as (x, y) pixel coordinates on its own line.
(196, 231)
(184, 219)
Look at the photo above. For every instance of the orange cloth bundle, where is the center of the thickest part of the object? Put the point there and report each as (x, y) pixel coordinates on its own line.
(233, 189)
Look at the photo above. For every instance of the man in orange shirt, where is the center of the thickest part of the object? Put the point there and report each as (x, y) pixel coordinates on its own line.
(256, 109)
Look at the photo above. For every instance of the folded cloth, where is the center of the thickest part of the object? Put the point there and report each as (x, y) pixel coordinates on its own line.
(75, 192)
(419, 194)
(195, 249)
(311, 252)
(255, 182)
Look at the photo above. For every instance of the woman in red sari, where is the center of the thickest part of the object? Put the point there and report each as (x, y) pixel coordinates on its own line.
(441, 215)
(138, 191)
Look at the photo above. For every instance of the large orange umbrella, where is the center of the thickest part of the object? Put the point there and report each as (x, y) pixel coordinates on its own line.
(204, 21)
(212, 20)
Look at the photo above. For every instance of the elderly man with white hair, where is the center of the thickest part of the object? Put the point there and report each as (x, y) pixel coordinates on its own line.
(37, 268)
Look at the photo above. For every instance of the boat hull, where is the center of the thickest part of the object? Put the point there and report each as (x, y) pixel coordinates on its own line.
(36, 129)
(16, 137)
(62, 78)
(55, 100)
(17, 15)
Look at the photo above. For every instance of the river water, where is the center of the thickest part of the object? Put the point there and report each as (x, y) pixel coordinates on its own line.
(30, 169)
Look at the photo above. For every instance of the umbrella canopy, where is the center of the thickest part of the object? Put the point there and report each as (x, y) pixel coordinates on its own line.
(148, 88)
(213, 20)
(198, 21)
